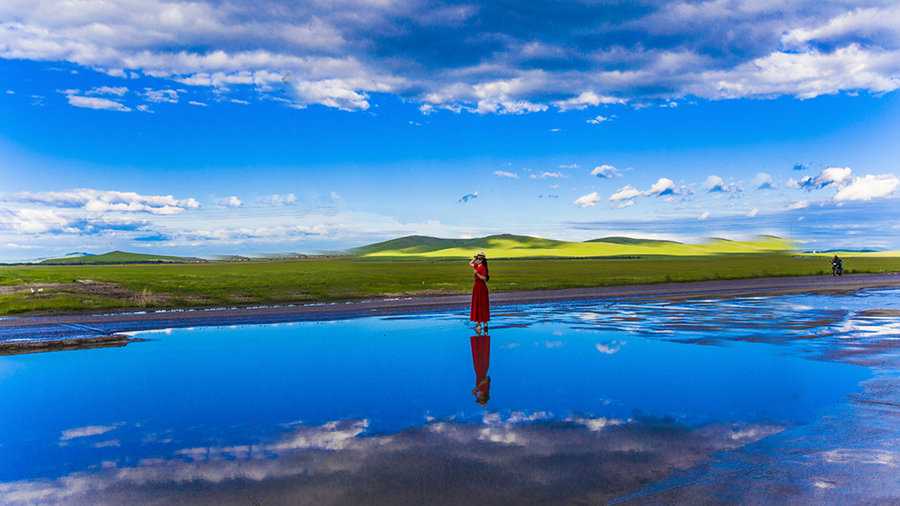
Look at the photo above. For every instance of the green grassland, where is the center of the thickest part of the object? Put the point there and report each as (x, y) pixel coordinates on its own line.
(344, 278)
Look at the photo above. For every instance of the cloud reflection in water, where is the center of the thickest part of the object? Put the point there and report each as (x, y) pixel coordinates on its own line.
(525, 457)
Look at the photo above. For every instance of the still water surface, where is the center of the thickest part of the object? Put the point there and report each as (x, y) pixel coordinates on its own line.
(587, 401)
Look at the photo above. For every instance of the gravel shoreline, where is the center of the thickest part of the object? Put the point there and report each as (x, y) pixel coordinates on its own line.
(57, 332)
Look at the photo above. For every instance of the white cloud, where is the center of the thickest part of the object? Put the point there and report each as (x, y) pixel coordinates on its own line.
(753, 213)
(599, 119)
(336, 93)
(545, 175)
(34, 221)
(868, 187)
(625, 193)
(715, 183)
(585, 99)
(763, 181)
(94, 102)
(94, 430)
(341, 61)
(804, 74)
(801, 204)
(829, 176)
(503, 173)
(278, 200)
(704, 215)
(231, 201)
(663, 186)
(102, 200)
(605, 171)
(118, 91)
(882, 22)
(589, 200)
(850, 188)
(161, 96)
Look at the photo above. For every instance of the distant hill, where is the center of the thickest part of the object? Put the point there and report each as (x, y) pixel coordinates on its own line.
(419, 244)
(120, 257)
(520, 246)
(631, 240)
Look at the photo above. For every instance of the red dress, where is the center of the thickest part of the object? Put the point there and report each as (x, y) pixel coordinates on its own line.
(481, 359)
(481, 311)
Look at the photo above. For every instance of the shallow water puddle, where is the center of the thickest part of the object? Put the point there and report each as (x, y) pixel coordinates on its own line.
(587, 401)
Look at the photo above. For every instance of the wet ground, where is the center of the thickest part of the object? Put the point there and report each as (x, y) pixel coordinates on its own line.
(757, 399)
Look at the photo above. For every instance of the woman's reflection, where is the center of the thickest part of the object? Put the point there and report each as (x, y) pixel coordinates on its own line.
(481, 357)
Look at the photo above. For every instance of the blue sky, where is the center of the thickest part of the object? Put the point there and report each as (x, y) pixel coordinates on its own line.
(226, 127)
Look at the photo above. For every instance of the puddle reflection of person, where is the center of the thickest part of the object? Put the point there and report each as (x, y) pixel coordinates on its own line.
(481, 312)
(481, 357)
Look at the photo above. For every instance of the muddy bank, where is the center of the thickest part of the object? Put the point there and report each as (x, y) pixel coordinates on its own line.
(75, 343)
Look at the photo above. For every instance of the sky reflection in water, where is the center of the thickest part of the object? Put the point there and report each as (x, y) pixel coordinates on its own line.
(588, 401)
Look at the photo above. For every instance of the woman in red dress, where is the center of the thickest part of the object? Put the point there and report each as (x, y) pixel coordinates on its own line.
(481, 312)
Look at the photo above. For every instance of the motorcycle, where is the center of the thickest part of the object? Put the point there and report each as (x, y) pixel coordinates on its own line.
(837, 268)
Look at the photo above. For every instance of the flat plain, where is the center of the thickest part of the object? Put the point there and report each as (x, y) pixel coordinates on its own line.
(41, 289)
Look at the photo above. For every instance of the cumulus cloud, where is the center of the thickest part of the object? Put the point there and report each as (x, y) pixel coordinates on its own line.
(94, 102)
(231, 201)
(868, 187)
(589, 200)
(715, 184)
(598, 119)
(606, 171)
(829, 176)
(36, 221)
(625, 193)
(662, 187)
(118, 91)
(470, 57)
(585, 99)
(160, 96)
(503, 173)
(335, 93)
(102, 200)
(753, 213)
(763, 181)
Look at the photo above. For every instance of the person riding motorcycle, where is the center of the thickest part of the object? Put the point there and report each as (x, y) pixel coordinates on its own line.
(837, 266)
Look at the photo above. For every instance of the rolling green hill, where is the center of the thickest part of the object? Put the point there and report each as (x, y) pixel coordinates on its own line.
(427, 246)
(120, 257)
(518, 246)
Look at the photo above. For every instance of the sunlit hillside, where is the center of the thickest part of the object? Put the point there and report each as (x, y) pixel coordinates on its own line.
(517, 246)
